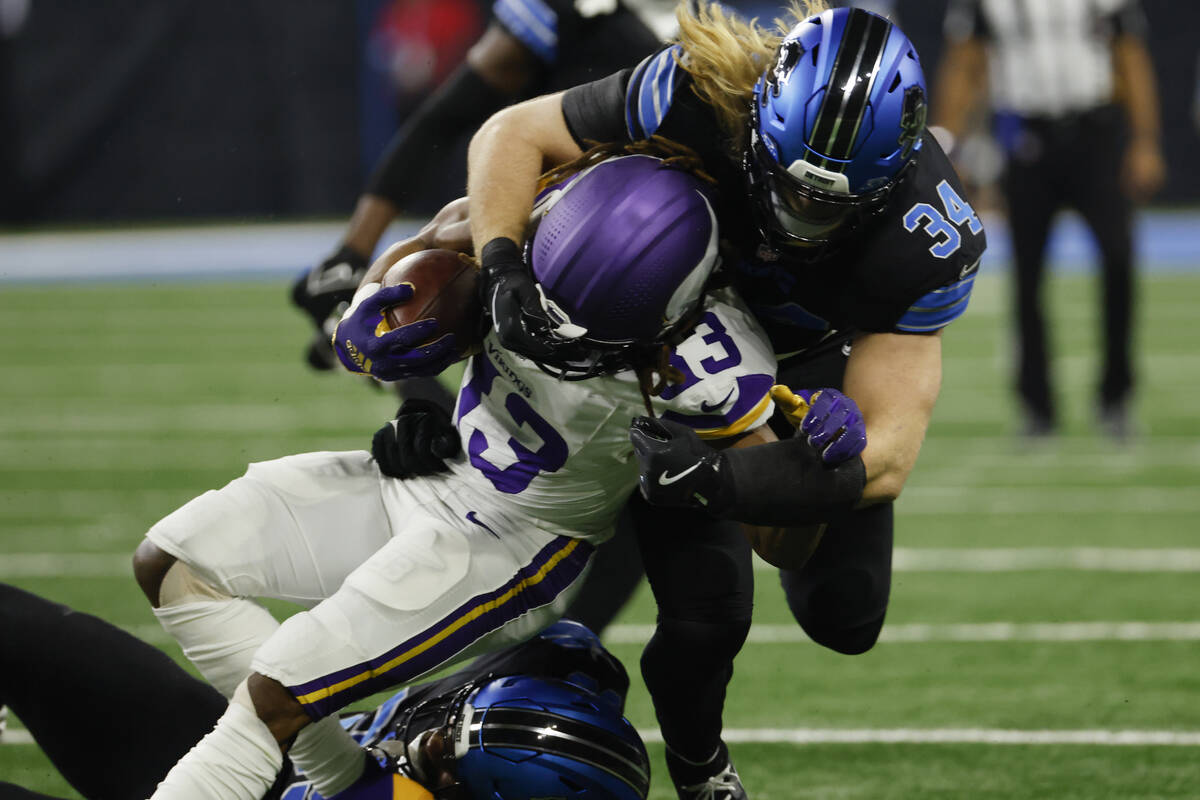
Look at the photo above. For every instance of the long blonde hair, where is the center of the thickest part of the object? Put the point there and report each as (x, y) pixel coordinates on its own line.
(725, 55)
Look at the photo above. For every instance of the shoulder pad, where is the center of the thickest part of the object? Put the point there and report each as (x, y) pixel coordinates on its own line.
(922, 260)
(651, 89)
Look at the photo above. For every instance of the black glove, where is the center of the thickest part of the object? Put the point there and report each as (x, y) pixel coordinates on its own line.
(525, 321)
(323, 288)
(677, 469)
(417, 441)
(323, 293)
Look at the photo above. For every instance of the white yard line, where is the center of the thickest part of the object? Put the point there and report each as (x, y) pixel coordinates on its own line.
(1127, 738)
(963, 632)
(905, 559)
(949, 736)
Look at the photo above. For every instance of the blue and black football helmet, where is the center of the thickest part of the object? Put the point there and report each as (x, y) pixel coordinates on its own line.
(526, 737)
(523, 737)
(836, 123)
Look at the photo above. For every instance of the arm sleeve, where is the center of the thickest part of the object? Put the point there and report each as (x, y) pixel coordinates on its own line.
(629, 105)
(596, 111)
(460, 104)
(785, 483)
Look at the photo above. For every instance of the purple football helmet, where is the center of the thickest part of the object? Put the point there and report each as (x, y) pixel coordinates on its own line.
(623, 249)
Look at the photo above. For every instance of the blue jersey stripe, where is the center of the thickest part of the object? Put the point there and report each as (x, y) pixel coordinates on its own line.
(938, 308)
(533, 23)
(631, 95)
(650, 92)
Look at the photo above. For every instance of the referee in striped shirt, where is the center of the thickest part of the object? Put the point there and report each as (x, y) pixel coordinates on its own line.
(1075, 111)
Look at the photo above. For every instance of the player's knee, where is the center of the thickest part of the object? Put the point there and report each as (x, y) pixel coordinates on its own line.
(848, 640)
(844, 612)
(690, 645)
(279, 710)
(150, 566)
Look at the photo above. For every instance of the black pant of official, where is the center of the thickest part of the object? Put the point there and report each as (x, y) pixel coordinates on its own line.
(1053, 165)
(701, 573)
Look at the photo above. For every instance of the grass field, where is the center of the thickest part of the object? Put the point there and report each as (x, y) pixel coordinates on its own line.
(1044, 634)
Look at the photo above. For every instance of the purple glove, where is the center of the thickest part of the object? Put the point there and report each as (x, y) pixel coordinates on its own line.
(365, 345)
(833, 424)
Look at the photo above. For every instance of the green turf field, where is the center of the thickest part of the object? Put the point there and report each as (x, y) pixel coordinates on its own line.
(1017, 564)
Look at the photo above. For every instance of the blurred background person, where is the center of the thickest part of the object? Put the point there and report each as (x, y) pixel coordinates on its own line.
(1076, 114)
(530, 47)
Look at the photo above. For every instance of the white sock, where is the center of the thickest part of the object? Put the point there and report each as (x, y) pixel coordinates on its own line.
(328, 756)
(218, 633)
(237, 760)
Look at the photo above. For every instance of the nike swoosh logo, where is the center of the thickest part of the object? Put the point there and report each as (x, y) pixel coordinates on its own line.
(666, 480)
(967, 270)
(471, 516)
(706, 408)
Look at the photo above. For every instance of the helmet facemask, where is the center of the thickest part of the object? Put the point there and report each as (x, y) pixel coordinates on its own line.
(835, 126)
(795, 213)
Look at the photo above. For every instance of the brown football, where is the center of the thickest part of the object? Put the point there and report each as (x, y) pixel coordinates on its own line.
(443, 284)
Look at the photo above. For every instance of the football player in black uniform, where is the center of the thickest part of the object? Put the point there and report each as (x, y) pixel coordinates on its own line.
(114, 714)
(855, 248)
(852, 242)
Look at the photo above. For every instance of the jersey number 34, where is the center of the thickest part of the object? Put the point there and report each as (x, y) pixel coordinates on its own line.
(937, 223)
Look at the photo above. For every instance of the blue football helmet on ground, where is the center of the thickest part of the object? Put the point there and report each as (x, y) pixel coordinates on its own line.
(525, 737)
(835, 124)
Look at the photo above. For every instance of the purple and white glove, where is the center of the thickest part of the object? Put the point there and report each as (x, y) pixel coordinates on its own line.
(366, 344)
(834, 425)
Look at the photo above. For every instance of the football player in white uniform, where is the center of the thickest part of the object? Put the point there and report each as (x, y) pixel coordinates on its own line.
(400, 578)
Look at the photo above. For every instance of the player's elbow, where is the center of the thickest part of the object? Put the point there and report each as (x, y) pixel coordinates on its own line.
(884, 485)
(500, 128)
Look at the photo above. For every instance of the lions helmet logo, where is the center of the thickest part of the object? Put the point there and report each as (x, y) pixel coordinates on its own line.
(786, 59)
(912, 120)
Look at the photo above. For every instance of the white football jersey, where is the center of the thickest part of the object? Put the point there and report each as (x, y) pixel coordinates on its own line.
(556, 454)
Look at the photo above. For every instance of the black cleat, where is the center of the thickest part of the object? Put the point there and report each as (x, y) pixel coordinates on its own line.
(716, 780)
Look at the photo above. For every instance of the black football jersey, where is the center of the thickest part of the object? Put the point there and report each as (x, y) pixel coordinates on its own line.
(575, 40)
(908, 269)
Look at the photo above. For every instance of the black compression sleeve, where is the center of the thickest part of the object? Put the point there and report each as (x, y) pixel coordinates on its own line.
(596, 111)
(460, 104)
(786, 483)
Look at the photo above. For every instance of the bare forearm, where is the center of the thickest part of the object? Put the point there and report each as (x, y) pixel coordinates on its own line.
(372, 216)
(449, 229)
(502, 173)
(961, 80)
(895, 379)
(506, 157)
(1137, 89)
